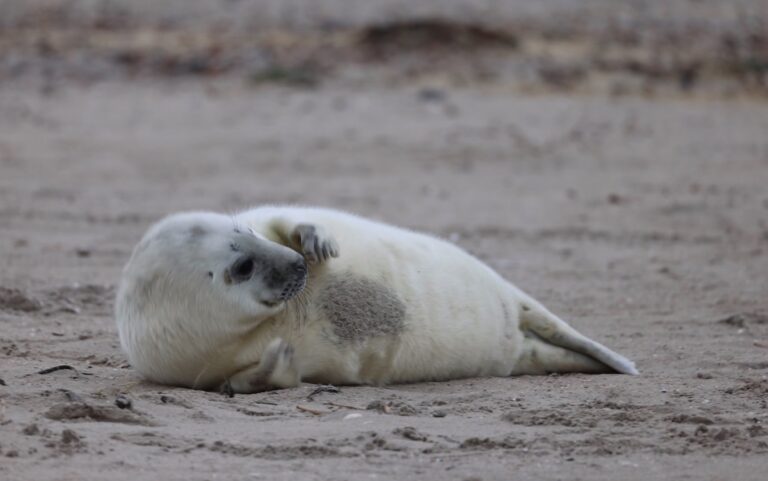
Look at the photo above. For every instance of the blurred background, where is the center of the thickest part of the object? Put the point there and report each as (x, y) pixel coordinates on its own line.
(516, 111)
(611, 158)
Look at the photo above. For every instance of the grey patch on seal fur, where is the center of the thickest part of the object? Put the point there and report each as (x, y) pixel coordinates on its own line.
(359, 308)
(196, 232)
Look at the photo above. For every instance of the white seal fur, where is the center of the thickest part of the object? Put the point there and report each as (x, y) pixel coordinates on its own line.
(276, 295)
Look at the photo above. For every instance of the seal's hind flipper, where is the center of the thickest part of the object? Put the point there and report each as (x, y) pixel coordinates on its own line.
(553, 330)
(541, 357)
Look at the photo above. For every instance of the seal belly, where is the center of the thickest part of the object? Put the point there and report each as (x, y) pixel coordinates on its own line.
(462, 320)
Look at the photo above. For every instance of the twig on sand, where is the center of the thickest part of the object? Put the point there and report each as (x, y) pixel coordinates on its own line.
(56, 368)
(345, 406)
(62, 367)
(321, 389)
(310, 410)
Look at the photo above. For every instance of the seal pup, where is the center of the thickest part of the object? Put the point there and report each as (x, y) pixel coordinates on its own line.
(276, 295)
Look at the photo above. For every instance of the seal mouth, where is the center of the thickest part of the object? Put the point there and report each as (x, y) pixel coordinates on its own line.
(289, 291)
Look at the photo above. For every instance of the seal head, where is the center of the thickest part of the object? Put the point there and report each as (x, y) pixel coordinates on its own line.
(195, 283)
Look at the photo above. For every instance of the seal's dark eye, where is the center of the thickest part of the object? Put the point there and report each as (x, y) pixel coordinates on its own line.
(242, 269)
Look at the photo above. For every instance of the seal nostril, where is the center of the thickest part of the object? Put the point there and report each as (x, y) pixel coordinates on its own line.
(300, 267)
(242, 269)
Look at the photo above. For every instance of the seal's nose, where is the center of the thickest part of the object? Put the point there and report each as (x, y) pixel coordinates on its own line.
(242, 269)
(300, 267)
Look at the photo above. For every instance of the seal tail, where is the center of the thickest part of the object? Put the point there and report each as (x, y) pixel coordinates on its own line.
(578, 352)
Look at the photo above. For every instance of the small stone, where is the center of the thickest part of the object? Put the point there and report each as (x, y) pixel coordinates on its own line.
(700, 430)
(735, 320)
(69, 437)
(123, 402)
(722, 435)
(410, 432)
(31, 430)
(392, 407)
(377, 405)
(439, 414)
(430, 94)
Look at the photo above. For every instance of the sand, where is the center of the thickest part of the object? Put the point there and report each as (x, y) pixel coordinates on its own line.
(640, 217)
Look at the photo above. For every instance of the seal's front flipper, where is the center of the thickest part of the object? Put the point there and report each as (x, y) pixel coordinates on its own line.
(317, 245)
(275, 370)
(311, 240)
